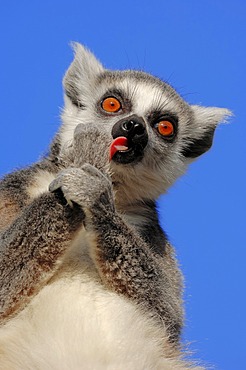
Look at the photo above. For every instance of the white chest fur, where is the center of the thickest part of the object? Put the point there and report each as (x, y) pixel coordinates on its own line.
(75, 323)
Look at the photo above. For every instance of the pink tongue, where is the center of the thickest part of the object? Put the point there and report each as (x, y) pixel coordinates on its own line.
(119, 144)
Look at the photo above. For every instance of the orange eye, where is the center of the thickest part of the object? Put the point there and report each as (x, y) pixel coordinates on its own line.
(111, 105)
(165, 128)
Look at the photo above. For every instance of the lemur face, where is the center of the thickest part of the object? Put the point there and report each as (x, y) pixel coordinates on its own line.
(142, 114)
(154, 132)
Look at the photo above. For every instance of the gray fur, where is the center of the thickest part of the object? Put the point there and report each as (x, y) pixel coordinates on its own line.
(113, 203)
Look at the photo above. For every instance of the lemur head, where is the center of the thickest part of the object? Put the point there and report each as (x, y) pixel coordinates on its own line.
(154, 133)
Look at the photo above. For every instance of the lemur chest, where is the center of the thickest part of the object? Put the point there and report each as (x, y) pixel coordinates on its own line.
(74, 322)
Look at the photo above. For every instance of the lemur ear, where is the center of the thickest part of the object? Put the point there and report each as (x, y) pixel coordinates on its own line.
(206, 120)
(81, 74)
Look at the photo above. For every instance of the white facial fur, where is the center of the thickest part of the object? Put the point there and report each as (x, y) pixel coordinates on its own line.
(86, 82)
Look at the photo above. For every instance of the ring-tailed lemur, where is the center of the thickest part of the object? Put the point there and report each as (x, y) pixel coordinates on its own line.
(88, 277)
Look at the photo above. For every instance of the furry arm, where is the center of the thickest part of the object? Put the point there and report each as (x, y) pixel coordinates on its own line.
(128, 265)
(31, 249)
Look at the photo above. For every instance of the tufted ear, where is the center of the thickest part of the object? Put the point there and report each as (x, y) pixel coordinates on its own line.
(206, 120)
(81, 74)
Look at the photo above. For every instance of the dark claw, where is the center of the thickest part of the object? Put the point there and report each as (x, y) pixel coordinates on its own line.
(54, 185)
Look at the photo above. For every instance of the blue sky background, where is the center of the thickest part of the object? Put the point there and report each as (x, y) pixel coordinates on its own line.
(199, 47)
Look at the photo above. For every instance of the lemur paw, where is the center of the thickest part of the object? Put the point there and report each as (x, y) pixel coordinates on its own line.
(86, 186)
(87, 136)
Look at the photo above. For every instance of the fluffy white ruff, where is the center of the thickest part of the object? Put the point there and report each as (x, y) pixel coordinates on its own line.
(75, 323)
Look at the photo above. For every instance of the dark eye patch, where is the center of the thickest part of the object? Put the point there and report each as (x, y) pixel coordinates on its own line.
(126, 104)
(156, 116)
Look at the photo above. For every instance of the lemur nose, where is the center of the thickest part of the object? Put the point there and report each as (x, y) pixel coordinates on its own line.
(131, 127)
